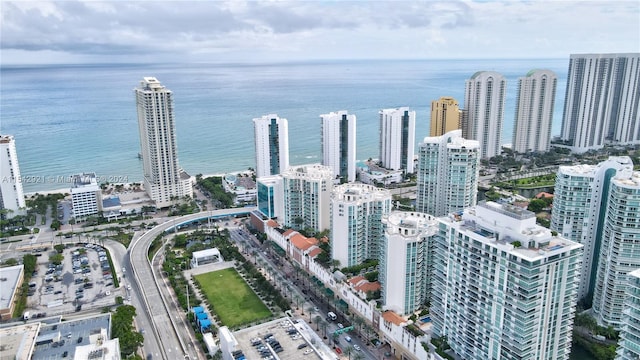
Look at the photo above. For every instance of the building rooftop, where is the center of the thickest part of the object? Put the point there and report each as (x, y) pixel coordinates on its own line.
(509, 229)
(56, 338)
(394, 318)
(18, 341)
(84, 180)
(302, 242)
(9, 277)
(206, 252)
(99, 347)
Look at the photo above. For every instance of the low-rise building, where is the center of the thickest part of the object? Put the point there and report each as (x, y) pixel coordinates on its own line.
(371, 173)
(10, 281)
(18, 341)
(86, 196)
(207, 256)
(99, 347)
(242, 186)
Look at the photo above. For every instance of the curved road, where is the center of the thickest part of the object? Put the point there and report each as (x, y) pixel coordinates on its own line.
(166, 341)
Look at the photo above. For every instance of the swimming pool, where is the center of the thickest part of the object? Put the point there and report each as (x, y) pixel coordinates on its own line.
(426, 319)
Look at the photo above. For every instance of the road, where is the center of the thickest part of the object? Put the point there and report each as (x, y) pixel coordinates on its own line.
(247, 243)
(162, 327)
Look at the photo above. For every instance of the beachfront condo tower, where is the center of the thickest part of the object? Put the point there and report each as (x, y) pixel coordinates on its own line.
(445, 116)
(404, 262)
(448, 170)
(12, 201)
(484, 100)
(602, 101)
(579, 205)
(629, 344)
(307, 196)
(271, 135)
(164, 181)
(503, 286)
(397, 138)
(534, 111)
(356, 227)
(339, 144)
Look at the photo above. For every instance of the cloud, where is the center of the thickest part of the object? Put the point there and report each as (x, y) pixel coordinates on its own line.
(193, 30)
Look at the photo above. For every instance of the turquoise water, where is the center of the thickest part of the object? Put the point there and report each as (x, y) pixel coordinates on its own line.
(78, 118)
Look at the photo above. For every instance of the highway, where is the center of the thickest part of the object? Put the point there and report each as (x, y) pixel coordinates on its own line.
(162, 326)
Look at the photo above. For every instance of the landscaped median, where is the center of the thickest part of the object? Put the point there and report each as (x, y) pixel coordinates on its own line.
(233, 301)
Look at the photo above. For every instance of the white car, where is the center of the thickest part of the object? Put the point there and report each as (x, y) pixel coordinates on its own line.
(347, 338)
(307, 352)
(340, 326)
(356, 347)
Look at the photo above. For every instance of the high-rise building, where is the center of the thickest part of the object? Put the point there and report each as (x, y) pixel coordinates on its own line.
(86, 196)
(446, 116)
(619, 250)
(11, 193)
(307, 197)
(503, 286)
(272, 145)
(629, 344)
(602, 101)
(580, 199)
(397, 138)
(534, 111)
(404, 271)
(164, 180)
(484, 99)
(448, 170)
(339, 144)
(356, 228)
(270, 196)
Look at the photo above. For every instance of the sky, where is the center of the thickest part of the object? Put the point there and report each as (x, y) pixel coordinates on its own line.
(34, 32)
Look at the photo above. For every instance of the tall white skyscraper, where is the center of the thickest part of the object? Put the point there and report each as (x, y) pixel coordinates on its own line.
(356, 228)
(534, 111)
(11, 193)
(397, 138)
(619, 250)
(484, 99)
(272, 145)
(579, 204)
(503, 286)
(448, 170)
(339, 144)
(307, 196)
(602, 101)
(629, 344)
(404, 270)
(164, 180)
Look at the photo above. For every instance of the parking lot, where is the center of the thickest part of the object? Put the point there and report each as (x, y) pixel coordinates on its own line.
(283, 337)
(82, 281)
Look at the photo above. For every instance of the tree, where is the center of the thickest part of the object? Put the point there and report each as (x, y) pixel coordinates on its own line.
(10, 262)
(56, 259)
(311, 310)
(55, 225)
(536, 205)
(59, 248)
(317, 319)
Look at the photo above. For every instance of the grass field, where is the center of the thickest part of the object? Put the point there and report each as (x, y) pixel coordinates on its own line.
(233, 300)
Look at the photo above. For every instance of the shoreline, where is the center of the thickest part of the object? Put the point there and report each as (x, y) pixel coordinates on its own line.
(67, 190)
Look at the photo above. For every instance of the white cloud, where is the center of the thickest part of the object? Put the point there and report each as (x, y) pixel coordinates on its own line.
(235, 30)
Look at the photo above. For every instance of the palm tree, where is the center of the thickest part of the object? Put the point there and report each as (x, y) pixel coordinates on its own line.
(297, 299)
(348, 350)
(358, 321)
(311, 310)
(324, 326)
(358, 356)
(317, 320)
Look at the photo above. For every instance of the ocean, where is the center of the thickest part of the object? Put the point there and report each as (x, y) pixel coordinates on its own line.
(68, 119)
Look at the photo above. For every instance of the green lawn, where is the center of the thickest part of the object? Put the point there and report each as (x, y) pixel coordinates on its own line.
(233, 300)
